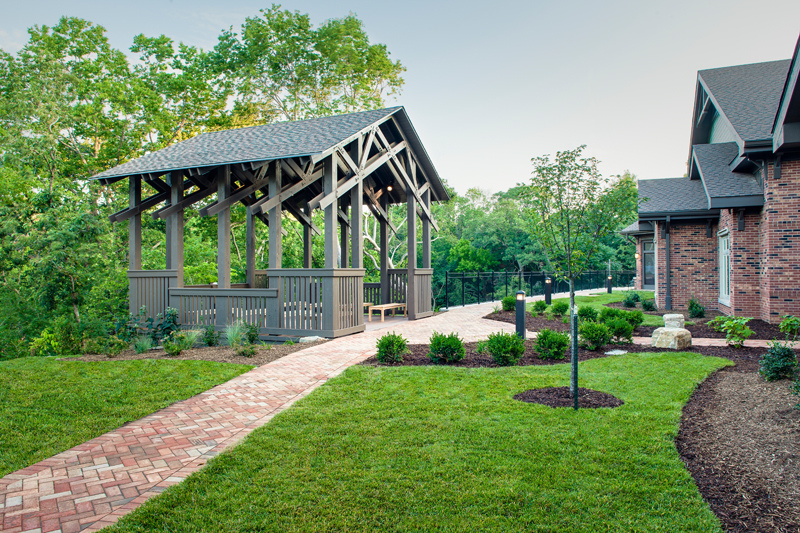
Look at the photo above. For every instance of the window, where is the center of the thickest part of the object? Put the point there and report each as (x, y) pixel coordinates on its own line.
(648, 265)
(724, 268)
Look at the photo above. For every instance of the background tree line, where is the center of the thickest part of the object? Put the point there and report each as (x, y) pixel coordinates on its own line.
(71, 106)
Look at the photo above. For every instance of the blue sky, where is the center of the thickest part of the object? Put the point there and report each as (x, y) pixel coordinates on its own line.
(492, 84)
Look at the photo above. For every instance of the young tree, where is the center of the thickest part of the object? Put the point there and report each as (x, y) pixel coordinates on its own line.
(572, 208)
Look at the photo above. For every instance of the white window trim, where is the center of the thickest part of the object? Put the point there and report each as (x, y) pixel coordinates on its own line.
(724, 299)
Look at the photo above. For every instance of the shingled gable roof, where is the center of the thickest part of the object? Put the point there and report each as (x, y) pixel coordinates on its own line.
(724, 187)
(273, 141)
(747, 95)
(671, 196)
(786, 126)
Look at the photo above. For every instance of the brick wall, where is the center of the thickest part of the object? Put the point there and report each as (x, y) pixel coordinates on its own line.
(745, 259)
(693, 263)
(780, 243)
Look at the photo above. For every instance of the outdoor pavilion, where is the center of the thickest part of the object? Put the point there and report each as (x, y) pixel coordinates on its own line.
(337, 164)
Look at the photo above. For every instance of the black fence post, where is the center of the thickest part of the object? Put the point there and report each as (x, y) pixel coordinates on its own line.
(446, 286)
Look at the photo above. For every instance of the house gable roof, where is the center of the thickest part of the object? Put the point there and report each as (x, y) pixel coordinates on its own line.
(747, 95)
(723, 187)
(786, 126)
(671, 195)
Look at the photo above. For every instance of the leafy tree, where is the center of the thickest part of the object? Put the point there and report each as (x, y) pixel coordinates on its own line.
(572, 207)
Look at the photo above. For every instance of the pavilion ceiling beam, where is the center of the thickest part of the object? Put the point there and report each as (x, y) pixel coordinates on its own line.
(200, 171)
(343, 217)
(414, 159)
(145, 204)
(375, 206)
(412, 187)
(306, 180)
(156, 183)
(301, 217)
(195, 197)
(238, 194)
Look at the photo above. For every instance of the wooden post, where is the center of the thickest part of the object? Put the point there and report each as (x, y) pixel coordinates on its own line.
(411, 222)
(250, 244)
(356, 225)
(384, 243)
(307, 240)
(135, 225)
(223, 232)
(331, 211)
(344, 244)
(175, 226)
(275, 226)
(426, 232)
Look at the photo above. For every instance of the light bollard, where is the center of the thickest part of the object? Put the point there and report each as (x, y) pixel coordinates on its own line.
(608, 284)
(548, 288)
(521, 314)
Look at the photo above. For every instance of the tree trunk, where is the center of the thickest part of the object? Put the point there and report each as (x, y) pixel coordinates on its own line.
(573, 382)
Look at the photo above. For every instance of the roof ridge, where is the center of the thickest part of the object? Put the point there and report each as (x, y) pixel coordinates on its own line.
(744, 65)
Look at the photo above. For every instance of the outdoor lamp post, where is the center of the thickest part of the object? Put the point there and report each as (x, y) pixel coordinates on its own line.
(608, 283)
(521, 314)
(636, 256)
(548, 287)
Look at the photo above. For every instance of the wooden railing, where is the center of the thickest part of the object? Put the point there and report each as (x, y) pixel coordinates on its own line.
(423, 295)
(150, 289)
(372, 292)
(398, 284)
(222, 307)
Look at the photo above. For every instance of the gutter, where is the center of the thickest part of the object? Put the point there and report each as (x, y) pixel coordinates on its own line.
(668, 296)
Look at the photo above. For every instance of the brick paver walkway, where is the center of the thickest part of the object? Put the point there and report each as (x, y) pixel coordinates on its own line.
(92, 485)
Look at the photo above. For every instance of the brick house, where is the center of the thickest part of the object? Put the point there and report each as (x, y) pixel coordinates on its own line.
(727, 233)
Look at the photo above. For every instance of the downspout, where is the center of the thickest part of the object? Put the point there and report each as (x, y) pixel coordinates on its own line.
(668, 298)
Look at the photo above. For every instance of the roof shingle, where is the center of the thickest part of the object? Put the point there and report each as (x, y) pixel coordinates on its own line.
(720, 182)
(671, 195)
(748, 95)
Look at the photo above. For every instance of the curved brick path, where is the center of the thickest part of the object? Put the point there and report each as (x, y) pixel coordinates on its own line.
(90, 486)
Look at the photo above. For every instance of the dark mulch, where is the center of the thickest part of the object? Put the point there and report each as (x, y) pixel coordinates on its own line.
(560, 397)
(700, 330)
(221, 354)
(746, 359)
(738, 438)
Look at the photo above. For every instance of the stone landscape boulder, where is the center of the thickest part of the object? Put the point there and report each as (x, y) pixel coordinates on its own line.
(673, 338)
(674, 321)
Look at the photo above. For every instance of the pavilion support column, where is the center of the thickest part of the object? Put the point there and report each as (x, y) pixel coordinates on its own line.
(250, 252)
(307, 240)
(223, 234)
(411, 204)
(384, 243)
(356, 226)
(331, 211)
(135, 225)
(275, 225)
(175, 226)
(426, 231)
(344, 244)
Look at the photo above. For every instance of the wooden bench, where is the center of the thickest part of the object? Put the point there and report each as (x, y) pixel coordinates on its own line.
(386, 307)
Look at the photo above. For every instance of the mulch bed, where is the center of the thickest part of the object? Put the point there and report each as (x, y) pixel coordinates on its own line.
(738, 438)
(761, 330)
(221, 354)
(746, 358)
(560, 397)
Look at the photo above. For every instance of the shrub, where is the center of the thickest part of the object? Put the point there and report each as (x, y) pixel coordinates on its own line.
(559, 308)
(142, 344)
(506, 348)
(629, 300)
(179, 341)
(695, 309)
(482, 347)
(649, 305)
(497, 308)
(113, 346)
(65, 331)
(166, 324)
(609, 313)
(735, 329)
(251, 333)
(391, 348)
(211, 336)
(636, 297)
(790, 326)
(621, 330)
(551, 344)
(446, 348)
(246, 350)
(509, 303)
(779, 362)
(634, 318)
(45, 344)
(235, 334)
(794, 388)
(593, 336)
(587, 313)
(539, 306)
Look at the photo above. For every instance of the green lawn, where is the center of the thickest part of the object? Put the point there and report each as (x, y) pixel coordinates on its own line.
(48, 406)
(598, 300)
(445, 449)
